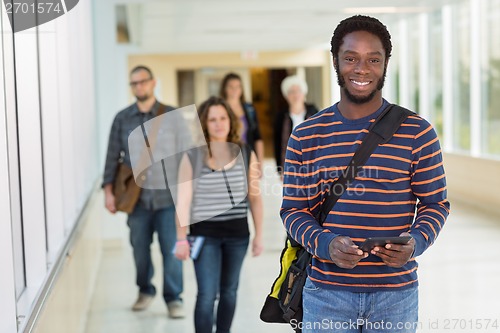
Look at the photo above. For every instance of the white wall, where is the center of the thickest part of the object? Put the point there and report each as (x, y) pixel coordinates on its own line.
(473, 180)
(112, 94)
(7, 282)
(48, 158)
(111, 71)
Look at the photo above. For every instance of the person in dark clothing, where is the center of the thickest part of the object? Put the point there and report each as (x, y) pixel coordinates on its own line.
(294, 90)
(231, 91)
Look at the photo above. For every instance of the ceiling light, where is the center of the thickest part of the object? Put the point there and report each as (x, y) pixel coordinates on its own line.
(384, 10)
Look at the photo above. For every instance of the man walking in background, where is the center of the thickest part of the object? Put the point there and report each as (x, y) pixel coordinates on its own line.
(154, 210)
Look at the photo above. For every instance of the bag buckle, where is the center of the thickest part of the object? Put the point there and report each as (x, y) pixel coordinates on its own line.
(288, 315)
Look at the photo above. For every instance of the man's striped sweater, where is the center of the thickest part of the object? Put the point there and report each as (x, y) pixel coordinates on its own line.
(401, 188)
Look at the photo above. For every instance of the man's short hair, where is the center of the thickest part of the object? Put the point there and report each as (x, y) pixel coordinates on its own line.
(141, 68)
(361, 23)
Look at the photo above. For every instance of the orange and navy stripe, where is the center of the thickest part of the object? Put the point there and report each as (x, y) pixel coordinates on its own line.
(401, 188)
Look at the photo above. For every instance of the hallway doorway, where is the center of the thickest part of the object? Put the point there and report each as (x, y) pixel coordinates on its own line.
(262, 87)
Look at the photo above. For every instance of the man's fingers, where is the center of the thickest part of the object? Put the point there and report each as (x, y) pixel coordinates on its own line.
(345, 253)
(348, 251)
(383, 254)
(387, 249)
(392, 257)
(346, 245)
(349, 261)
(111, 209)
(349, 257)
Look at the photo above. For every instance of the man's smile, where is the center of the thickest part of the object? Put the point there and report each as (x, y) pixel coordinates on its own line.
(361, 83)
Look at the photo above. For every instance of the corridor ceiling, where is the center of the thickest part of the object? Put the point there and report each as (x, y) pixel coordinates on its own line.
(183, 26)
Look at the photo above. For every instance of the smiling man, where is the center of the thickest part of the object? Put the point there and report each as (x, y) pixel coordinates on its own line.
(400, 191)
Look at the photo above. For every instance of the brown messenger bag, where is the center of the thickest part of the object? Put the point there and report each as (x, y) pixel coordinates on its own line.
(125, 188)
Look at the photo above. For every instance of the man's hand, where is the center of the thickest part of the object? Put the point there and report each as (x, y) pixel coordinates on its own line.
(395, 255)
(110, 202)
(345, 253)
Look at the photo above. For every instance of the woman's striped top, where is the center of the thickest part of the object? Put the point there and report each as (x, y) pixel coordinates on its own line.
(220, 202)
(401, 179)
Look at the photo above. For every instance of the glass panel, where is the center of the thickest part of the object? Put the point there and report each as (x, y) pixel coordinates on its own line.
(30, 156)
(13, 154)
(436, 72)
(461, 81)
(492, 77)
(414, 26)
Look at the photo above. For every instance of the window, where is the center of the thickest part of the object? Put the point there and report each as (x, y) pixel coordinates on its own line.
(461, 80)
(13, 161)
(414, 29)
(491, 83)
(436, 72)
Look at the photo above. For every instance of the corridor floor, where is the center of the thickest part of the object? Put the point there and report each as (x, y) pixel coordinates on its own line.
(459, 274)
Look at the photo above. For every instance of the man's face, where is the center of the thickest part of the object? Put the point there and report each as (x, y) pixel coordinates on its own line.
(361, 66)
(142, 85)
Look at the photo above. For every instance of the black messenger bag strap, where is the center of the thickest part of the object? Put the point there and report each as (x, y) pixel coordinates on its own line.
(380, 132)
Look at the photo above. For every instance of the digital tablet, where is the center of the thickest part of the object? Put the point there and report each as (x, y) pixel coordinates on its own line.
(370, 243)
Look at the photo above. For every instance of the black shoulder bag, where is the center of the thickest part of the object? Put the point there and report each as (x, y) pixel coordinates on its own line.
(284, 303)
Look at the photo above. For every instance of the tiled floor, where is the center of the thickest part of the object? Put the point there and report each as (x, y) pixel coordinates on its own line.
(459, 288)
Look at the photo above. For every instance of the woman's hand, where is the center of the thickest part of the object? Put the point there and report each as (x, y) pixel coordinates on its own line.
(255, 201)
(257, 246)
(182, 250)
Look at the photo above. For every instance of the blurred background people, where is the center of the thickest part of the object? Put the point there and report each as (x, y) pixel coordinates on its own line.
(154, 210)
(218, 175)
(294, 89)
(231, 91)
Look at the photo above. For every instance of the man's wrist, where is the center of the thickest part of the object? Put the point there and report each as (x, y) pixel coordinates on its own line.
(324, 242)
(108, 188)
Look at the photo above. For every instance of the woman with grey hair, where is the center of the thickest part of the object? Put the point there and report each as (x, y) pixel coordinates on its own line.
(294, 89)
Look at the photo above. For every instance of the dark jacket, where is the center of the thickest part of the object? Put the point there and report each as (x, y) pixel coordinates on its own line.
(253, 132)
(282, 130)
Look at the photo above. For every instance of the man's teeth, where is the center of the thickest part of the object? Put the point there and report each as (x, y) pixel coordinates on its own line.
(360, 83)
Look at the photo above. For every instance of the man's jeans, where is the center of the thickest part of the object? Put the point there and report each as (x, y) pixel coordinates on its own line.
(217, 270)
(143, 223)
(347, 312)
